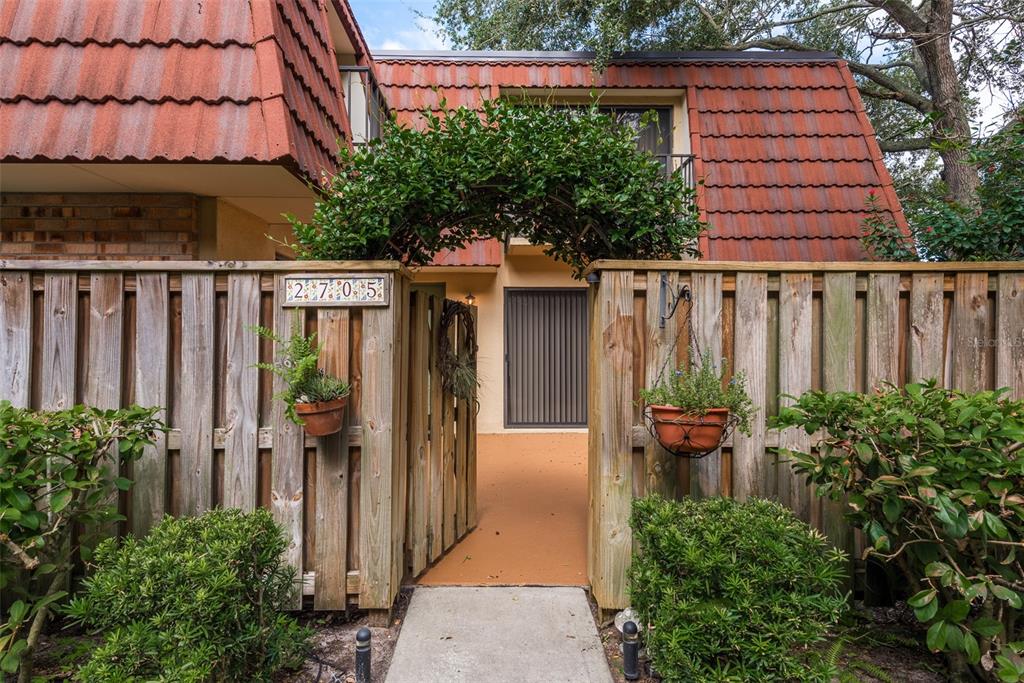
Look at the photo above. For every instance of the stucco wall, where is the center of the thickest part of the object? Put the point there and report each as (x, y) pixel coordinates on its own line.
(489, 290)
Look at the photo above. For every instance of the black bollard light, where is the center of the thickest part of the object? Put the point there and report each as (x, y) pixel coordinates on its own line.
(363, 674)
(630, 651)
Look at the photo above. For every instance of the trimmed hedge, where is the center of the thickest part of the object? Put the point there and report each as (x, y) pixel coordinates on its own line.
(733, 591)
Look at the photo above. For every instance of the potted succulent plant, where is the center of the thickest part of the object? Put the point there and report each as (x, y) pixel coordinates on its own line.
(690, 409)
(314, 399)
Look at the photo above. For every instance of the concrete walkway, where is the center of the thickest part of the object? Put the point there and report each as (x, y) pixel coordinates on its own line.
(497, 634)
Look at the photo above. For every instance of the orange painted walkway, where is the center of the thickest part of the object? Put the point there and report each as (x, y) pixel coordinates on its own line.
(532, 511)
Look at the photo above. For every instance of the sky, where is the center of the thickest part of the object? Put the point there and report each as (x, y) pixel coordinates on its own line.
(397, 24)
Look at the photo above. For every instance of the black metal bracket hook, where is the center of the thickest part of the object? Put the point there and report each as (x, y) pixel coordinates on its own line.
(684, 294)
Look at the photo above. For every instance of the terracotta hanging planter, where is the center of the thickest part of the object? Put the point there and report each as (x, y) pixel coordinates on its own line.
(322, 419)
(681, 432)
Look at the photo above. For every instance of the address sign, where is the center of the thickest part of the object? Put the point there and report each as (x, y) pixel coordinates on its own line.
(336, 290)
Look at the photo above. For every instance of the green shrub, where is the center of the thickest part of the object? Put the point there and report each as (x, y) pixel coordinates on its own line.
(732, 591)
(935, 480)
(197, 600)
(58, 490)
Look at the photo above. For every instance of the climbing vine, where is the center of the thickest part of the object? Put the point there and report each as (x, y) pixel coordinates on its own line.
(573, 180)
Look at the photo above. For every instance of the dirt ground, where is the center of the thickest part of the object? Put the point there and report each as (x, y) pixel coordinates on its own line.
(877, 648)
(532, 515)
(333, 658)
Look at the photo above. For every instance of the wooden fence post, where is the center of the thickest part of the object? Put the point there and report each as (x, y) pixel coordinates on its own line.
(611, 450)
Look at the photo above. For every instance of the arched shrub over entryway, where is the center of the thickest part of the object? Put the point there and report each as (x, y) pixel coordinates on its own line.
(570, 179)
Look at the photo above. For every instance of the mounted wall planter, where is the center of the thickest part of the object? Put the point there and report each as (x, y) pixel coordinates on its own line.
(679, 431)
(323, 418)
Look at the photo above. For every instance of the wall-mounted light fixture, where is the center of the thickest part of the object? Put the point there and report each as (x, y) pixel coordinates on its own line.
(470, 299)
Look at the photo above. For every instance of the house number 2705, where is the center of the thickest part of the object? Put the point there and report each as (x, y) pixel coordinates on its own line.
(336, 290)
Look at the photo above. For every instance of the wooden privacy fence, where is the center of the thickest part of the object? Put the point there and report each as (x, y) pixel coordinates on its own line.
(790, 327)
(363, 508)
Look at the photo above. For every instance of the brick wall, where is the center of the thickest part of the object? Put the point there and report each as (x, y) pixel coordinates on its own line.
(99, 226)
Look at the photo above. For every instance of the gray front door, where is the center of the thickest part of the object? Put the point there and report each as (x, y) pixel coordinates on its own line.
(545, 357)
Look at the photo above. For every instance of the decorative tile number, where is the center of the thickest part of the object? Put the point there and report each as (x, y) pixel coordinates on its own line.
(335, 290)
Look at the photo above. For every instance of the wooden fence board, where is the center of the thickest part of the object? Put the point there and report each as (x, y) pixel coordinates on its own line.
(706, 473)
(794, 379)
(1010, 333)
(60, 332)
(379, 369)
(106, 335)
(332, 477)
(16, 338)
(926, 335)
(241, 392)
(471, 460)
(197, 354)
(400, 447)
(970, 332)
(839, 322)
(148, 494)
(753, 472)
(659, 465)
(419, 469)
(436, 478)
(448, 465)
(612, 490)
(882, 355)
(286, 469)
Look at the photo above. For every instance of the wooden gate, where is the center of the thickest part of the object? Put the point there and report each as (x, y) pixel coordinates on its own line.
(176, 335)
(791, 327)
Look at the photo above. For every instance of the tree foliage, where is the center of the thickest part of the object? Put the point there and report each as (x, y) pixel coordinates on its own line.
(916, 62)
(944, 230)
(58, 484)
(934, 479)
(570, 179)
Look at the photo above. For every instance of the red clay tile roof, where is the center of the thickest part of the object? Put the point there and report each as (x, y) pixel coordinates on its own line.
(783, 145)
(218, 80)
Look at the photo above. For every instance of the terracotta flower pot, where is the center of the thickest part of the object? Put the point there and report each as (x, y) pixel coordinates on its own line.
(680, 431)
(322, 418)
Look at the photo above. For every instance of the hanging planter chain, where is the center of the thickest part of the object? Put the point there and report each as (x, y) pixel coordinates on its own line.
(691, 426)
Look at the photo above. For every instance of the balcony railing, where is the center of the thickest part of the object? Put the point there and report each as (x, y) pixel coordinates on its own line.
(681, 162)
(365, 103)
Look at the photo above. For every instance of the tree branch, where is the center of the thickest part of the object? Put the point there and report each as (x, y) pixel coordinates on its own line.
(902, 92)
(909, 145)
